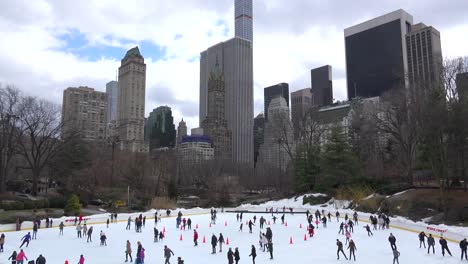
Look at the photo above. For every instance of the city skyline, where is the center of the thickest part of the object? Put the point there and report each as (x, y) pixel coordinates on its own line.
(171, 45)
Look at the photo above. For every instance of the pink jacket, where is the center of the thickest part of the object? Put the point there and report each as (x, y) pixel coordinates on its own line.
(21, 256)
(348, 235)
(81, 260)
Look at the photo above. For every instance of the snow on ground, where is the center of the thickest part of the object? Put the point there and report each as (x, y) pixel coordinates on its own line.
(319, 249)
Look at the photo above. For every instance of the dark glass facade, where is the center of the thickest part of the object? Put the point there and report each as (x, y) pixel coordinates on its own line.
(322, 86)
(280, 89)
(374, 60)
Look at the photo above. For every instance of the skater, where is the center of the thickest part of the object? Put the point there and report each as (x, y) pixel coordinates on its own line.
(84, 231)
(311, 230)
(40, 260)
(167, 254)
(156, 233)
(355, 218)
(214, 241)
(430, 243)
(189, 224)
(103, 238)
(369, 232)
(61, 228)
(250, 226)
(180, 261)
(269, 234)
(340, 249)
(463, 247)
(156, 218)
(220, 241)
(396, 255)
(392, 241)
(78, 230)
(161, 235)
(253, 254)
(236, 255)
(282, 219)
(324, 221)
(348, 237)
(255, 219)
(138, 254)
(421, 236)
(107, 223)
(35, 227)
(443, 245)
(142, 255)
(21, 257)
(237, 217)
(337, 216)
(82, 259)
(341, 231)
(26, 239)
(128, 252)
(270, 248)
(144, 220)
(351, 226)
(129, 221)
(274, 219)
(352, 249)
(2, 241)
(13, 257)
(240, 227)
(195, 237)
(230, 256)
(90, 232)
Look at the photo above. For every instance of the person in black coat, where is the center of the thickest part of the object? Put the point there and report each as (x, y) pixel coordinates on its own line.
(421, 236)
(392, 241)
(40, 260)
(430, 243)
(253, 254)
(270, 248)
(339, 244)
(230, 256)
(463, 247)
(443, 245)
(352, 249)
(236, 255)
(214, 241)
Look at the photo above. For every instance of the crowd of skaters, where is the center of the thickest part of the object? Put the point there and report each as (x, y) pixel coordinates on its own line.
(379, 222)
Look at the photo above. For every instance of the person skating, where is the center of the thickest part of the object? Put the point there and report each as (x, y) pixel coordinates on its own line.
(2, 242)
(351, 226)
(339, 244)
(274, 219)
(269, 234)
(180, 261)
(341, 231)
(155, 234)
(282, 219)
(84, 231)
(348, 237)
(129, 221)
(167, 254)
(250, 226)
(444, 246)
(61, 228)
(324, 221)
(421, 237)
(270, 248)
(35, 227)
(240, 227)
(13, 257)
(138, 254)
(396, 255)
(430, 243)
(82, 260)
(90, 232)
(26, 239)
(392, 241)
(103, 238)
(355, 218)
(352, 249)
(463, 247)
(189, 224)
(329, 217)
(311, 230)
(128, 252)
(230, 256)
(195, 237)
(369, 232)
(236, 255)
(337, 214)
(221, 242)
(78, 230)
(21, 257)
(214, 241)
(142, 255)
(144, 220)
(161, 236)
(40, 259)
(253, 254)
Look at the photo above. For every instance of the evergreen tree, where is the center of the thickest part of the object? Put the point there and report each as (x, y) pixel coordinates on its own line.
(307, 167)
(73, 205)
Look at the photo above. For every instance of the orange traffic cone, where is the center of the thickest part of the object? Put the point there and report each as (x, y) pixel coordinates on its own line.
(305, 237)
(300, 225)
(227, 241)
(290, 240)
(196, 226)
(204, 240)
(180, 237)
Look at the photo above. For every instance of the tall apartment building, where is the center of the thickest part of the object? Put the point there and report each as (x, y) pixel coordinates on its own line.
(131, 102)
(376, 54)
(424, 57)
(84, 110)
(301, 103)
(280, 89)
(194, 150)
(322, 85)
(215, 124)
(259, 127)
(112, 91)
(181, 131)
(160, 129)
(243, 15)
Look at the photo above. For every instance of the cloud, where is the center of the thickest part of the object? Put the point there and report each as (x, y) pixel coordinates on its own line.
(49, 45)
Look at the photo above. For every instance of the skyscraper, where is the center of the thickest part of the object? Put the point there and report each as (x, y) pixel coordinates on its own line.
(84, 110)
(322, 86)
(131, 102)
(424, 57)
(160, 129)
(280, 89)
(376, 54)
(236, 62)
(259, 127)
(181, 131)
(112, 91)
(243, 15)
(301, 102)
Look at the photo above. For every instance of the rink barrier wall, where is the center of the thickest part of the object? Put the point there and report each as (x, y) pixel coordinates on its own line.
(90, 220)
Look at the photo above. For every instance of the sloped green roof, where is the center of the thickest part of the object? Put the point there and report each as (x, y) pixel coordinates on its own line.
(133, 52)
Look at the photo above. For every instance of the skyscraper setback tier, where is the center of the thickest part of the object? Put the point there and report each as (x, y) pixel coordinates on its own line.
(280, 89)
(243, 15)
(131, 102)
(376, 54)
(235, 61)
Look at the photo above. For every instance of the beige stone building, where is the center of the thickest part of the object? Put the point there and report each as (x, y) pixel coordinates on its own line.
(84, 110)
(131, 102)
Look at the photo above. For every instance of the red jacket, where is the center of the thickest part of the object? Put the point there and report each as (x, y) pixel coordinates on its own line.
(21, 256)
(195, 235)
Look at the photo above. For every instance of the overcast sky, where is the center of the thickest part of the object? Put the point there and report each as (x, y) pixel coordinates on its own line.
(49, 45)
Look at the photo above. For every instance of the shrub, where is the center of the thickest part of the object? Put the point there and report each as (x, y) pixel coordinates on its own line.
(12, 205)
(73, 205)
(313, 200)
(58, 202)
